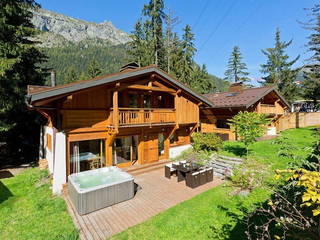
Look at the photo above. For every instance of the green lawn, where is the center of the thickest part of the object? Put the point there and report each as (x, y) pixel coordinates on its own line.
(215, 214)
(29, 211)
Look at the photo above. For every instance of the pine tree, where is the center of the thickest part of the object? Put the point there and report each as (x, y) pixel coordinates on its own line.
(150, 45)
(71, 75)
(170, 39)
(278, 68)
(201, 81)
(311, 84)
(137, 45)
(154, 11)
(188, 52)
(236, 69)
(19, 67)
(94, 69)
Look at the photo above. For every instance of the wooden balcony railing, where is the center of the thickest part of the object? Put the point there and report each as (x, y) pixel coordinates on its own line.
(138, 116)
(268, 109)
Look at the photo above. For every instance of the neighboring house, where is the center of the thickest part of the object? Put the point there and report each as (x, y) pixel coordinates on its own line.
(265, 100)
(136, 116)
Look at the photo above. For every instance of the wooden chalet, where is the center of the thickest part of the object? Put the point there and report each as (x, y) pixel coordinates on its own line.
(266, 100)
(136, 116)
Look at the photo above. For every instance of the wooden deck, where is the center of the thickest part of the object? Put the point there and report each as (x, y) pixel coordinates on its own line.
(155, 194)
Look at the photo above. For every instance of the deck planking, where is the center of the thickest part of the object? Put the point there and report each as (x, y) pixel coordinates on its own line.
(154, 195)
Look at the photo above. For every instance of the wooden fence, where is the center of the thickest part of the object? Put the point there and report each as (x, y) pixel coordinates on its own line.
(297, 120)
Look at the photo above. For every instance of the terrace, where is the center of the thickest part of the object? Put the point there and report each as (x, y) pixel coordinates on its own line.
(154, 194)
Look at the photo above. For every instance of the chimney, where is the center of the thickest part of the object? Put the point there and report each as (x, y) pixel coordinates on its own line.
(129, 67)
(53, 78)
(236, 87)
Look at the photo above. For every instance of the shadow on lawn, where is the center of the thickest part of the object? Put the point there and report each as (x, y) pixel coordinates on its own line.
(4, 192)
(236, 150)
(228, 230)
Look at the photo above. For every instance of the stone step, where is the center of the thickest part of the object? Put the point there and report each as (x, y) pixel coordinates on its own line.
(233, 159)
(223, 165)
(222, 171)
(216, 174)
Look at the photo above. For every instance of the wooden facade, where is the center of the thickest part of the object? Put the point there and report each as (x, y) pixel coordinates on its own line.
(131, 121)
(216, 119)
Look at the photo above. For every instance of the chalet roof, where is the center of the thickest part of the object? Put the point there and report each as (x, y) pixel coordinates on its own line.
(35, 93)
(243, 98)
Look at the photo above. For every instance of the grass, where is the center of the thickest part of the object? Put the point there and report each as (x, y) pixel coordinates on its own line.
(29, 211)
(215, 214)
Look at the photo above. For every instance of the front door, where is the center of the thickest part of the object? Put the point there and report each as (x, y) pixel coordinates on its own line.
(151, 153)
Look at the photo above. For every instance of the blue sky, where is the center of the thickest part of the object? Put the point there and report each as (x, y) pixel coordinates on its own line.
(218, 24)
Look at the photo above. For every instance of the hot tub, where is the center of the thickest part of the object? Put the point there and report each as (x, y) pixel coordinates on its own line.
(95, 189)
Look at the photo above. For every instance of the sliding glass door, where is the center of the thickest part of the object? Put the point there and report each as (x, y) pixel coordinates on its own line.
(125, 151)
(87, 155)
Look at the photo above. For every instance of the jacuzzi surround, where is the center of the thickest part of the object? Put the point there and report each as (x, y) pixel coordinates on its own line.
(95, 189)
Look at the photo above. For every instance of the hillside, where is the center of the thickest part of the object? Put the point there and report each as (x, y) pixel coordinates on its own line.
(77, 57)
(72, 44)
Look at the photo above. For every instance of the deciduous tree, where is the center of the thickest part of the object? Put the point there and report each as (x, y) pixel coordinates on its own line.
(249, 126)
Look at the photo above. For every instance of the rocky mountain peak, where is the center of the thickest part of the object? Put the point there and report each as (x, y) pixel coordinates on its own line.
(59, 28)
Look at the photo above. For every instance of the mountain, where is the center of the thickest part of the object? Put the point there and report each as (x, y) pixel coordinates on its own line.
(59, 29)
(71, 45)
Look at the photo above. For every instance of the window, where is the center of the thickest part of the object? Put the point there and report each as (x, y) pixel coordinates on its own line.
(86, 155)
(133, 100)
(173, 138)
(223, 123)
(160, 144)
(161, 101)
(147, 101)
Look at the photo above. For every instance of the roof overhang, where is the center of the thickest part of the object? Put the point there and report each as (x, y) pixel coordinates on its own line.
(253, 101)
(68, 89)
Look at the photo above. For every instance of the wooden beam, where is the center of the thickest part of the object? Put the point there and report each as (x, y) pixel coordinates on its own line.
(194, 128)
(109, 142)
(173, 131)
(147, 88)
(110, 139)
(115, 111)
(158, 84)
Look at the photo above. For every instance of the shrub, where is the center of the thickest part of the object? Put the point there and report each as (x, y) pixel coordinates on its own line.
(208, 142)
(250, 174)
(293, 211)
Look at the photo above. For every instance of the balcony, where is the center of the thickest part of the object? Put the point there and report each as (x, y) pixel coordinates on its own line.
(143, 116)
(268, 109)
